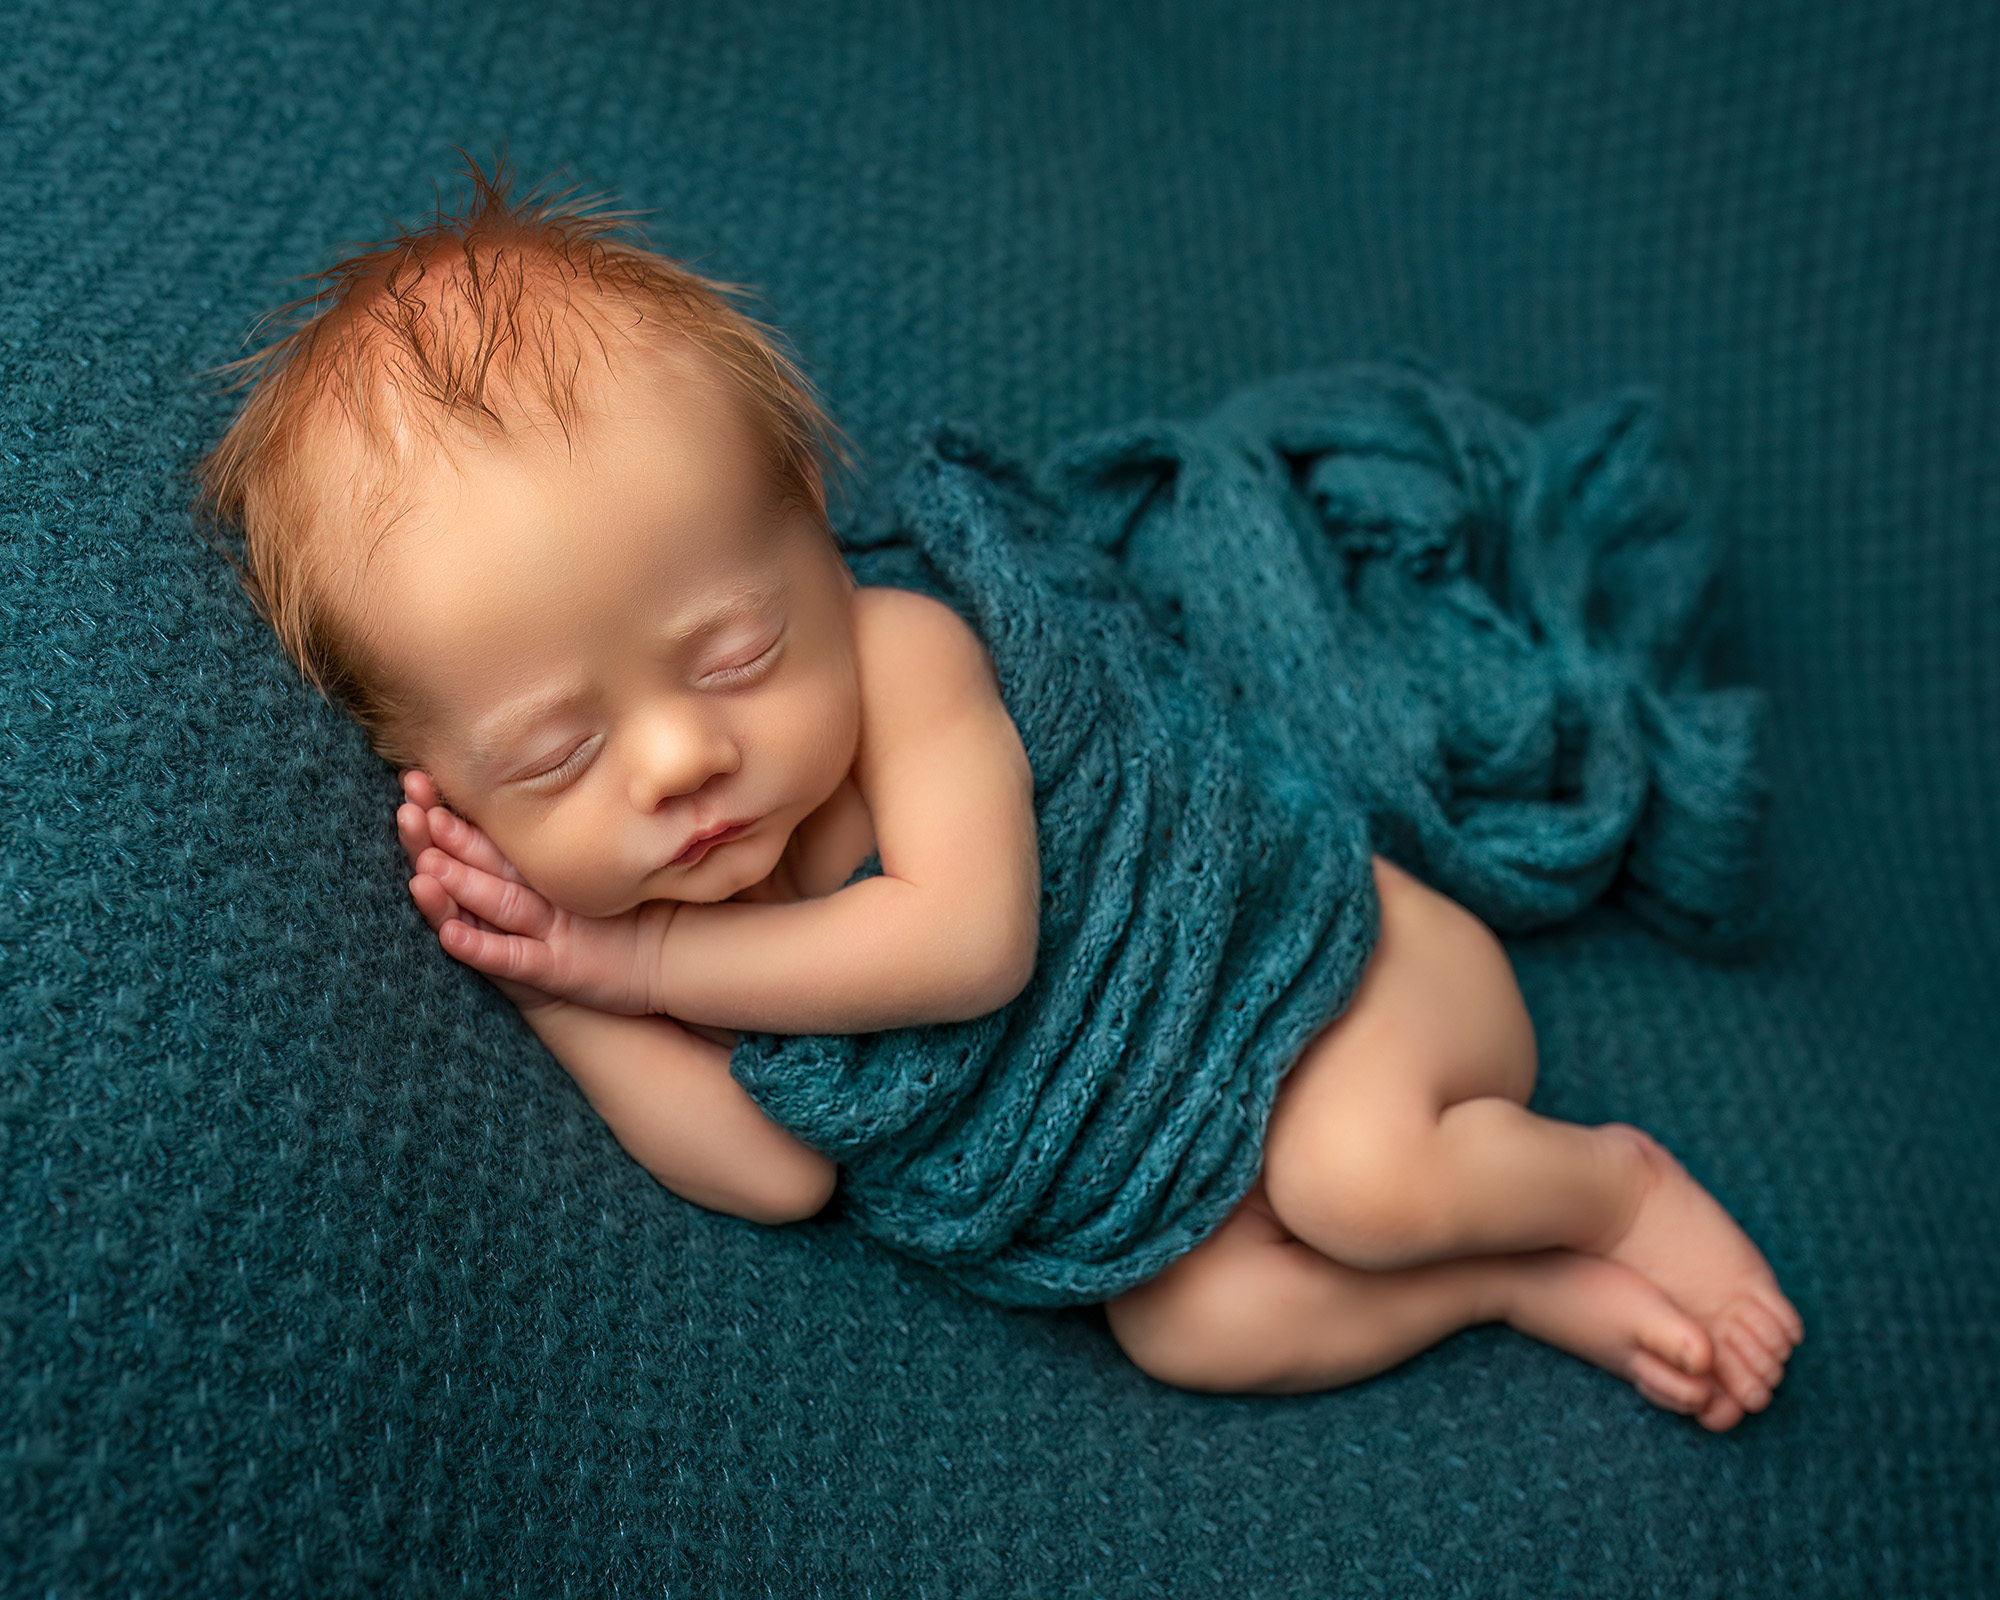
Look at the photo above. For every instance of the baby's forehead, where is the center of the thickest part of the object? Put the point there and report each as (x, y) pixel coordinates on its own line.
(377, 447)
(667, 489)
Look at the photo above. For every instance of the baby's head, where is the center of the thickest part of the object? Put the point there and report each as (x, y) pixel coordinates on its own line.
(545, 513)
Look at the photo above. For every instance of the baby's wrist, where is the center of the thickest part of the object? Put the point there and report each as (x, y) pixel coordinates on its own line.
(661, 916)
(535, 1006)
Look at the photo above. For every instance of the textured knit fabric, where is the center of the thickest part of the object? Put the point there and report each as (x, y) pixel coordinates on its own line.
(318, 1276)
(1487, 633)
(1377, 611)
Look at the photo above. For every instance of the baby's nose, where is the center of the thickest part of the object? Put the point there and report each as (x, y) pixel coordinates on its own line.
(677, 757)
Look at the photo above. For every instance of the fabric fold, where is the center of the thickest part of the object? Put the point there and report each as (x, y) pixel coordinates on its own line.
(1353, 611)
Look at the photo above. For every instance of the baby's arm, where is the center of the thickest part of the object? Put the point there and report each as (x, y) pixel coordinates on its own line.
(664, 1091)
(667, 1096)
(948, 931)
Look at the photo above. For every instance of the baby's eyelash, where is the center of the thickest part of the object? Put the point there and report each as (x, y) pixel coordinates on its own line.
(564, 769)
(747, 669)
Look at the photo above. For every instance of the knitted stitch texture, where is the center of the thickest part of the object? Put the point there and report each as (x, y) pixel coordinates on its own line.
(1374, 608)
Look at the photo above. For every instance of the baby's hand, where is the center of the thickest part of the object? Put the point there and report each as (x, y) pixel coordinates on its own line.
(485, 915)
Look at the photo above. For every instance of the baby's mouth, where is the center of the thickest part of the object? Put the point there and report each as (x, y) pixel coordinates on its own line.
(702, 843)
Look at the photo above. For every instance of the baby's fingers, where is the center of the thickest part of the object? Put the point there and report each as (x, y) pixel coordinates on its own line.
(413, 830)
(498, 955)
(469, 843)
(508, 905)
(418, 788)
(437, 907)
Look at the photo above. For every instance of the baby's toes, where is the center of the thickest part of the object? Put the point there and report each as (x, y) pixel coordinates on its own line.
(1767, 1368)
(1771, 1329)
(1677, 1339)
(1668, 1387)
(1721, 1413)
(1743, 1376)
(1774, 1304)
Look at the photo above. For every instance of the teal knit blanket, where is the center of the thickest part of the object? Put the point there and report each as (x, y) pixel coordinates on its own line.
(1355, 611)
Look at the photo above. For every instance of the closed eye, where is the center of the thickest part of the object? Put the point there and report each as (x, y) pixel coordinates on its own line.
(565, 770)
(731, 674)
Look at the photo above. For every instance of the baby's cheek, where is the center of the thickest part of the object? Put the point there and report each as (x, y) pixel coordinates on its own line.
(558, 865)
(828, 718)
(590, 888)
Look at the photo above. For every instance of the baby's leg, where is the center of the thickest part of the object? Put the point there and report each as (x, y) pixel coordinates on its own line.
(1253, 1309)
(1401, 1137)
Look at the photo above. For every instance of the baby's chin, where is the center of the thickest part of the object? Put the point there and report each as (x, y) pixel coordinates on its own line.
(692, 896)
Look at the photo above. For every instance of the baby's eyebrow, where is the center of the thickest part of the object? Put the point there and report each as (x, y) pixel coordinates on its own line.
(731, 608)
(492, 736)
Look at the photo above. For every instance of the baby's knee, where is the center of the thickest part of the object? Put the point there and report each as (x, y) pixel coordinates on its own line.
(1360, 1194)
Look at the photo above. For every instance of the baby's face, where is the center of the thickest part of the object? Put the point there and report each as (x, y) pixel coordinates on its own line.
(633, 667)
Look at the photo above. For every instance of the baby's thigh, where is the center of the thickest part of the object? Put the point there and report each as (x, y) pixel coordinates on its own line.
(1202, 1323)
(1437, 1018)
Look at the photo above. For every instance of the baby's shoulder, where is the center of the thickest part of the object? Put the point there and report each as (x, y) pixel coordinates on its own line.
(903, 633)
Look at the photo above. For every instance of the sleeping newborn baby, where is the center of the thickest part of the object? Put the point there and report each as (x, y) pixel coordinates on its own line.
(545, 513)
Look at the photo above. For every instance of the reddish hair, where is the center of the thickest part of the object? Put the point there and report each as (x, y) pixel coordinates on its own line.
(482, 316)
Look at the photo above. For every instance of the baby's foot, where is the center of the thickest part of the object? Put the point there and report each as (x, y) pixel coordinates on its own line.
(1613, 1318)
(1687, 1244)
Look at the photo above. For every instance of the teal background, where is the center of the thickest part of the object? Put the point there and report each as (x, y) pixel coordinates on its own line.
(316, 1275)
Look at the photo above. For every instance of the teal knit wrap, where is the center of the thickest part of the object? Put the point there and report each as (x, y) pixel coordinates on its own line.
(1349, 611)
